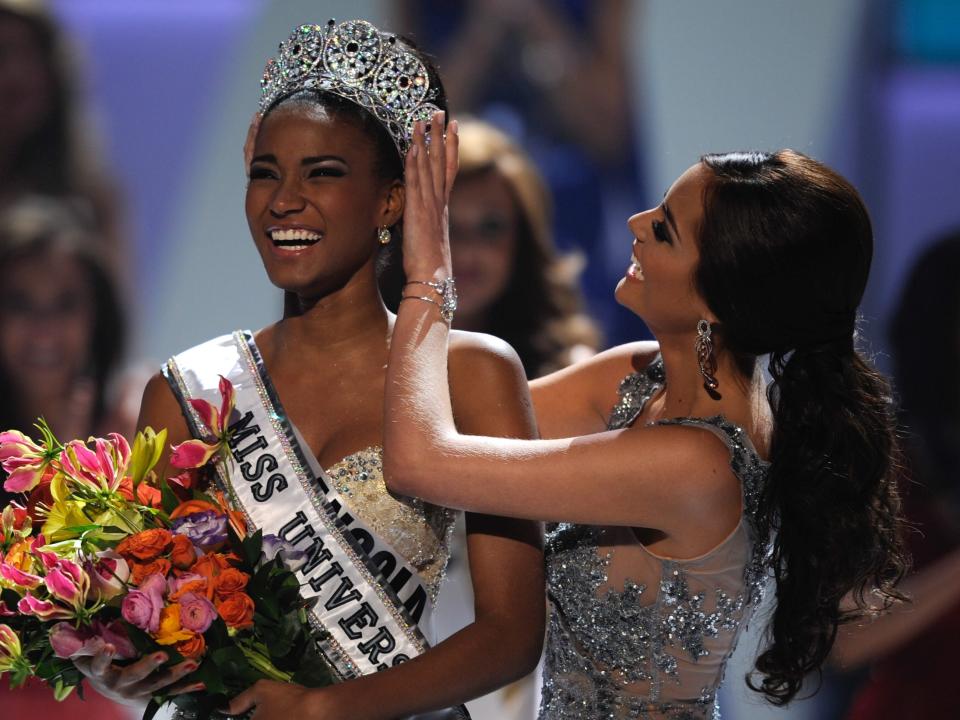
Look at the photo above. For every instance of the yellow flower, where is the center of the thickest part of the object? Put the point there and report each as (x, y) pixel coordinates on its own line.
(170, 631)
(64, 514)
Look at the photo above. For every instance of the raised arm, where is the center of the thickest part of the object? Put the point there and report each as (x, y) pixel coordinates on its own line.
(658, 477)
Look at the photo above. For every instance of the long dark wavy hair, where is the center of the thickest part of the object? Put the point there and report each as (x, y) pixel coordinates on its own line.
(59, 157)
(785, 247)
(540, 312)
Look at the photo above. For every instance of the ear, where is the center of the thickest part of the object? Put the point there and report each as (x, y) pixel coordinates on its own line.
(393, 202)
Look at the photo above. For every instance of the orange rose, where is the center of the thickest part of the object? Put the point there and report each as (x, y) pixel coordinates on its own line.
(194, 506)
(230, 581)
(237, 610)
(146, 545)
(198, 586)
(192, 648)
(183, 554)
(209, 567)
(170, 632)
(141, 571)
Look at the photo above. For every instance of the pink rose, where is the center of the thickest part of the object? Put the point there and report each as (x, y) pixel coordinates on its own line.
(196, 612)
(142, 607)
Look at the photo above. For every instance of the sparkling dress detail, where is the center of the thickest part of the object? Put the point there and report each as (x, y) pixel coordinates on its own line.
(635, 635)
(419, 531)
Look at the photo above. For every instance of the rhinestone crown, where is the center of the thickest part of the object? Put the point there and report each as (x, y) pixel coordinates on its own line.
(360, 63)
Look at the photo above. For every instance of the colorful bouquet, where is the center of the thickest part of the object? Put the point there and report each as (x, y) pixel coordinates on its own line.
(102, 555)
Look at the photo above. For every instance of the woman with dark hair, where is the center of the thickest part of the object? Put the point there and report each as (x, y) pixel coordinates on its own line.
(326, 188)
(62, 328)
(703, 481)
(910, 650)
(45, 148)
(512, 282)
(62, 332)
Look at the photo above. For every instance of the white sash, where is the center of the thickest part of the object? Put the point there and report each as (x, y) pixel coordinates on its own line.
(370, 599)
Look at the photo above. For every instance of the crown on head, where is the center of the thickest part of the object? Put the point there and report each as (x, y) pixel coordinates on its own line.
(359, 63)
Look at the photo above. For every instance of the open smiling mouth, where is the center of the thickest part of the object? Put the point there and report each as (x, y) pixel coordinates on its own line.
(294, 239)
(635, 268)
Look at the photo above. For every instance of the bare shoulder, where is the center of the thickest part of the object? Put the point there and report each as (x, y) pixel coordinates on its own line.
(160, 409)
(472, 354)
(578, 399)
(702, 494)
(488, 386)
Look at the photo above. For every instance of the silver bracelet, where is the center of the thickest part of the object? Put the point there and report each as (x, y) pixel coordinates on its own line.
(445, 289)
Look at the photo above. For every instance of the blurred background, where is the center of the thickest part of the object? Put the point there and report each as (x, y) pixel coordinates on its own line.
(124, 122)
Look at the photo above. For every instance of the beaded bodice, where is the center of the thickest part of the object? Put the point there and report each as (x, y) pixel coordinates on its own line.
(419, 531)
(635, 635)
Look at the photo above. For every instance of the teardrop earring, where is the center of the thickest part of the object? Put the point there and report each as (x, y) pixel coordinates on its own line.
(383, 235)
(705, 358)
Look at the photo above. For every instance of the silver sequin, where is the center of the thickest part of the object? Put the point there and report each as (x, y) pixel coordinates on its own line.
(614, 652)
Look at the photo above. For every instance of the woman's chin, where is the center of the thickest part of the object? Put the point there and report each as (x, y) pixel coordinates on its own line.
(623, 295)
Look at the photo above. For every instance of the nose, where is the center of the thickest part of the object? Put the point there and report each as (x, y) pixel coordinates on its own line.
(635, 223)
(288, 198)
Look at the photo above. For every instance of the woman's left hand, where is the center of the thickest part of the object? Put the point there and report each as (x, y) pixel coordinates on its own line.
(430, 170)
(284, 701)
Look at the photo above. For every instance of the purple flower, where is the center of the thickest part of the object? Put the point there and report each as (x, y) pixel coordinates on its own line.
(206, 529)
(292, 558)
(196, 612)
(142, 607)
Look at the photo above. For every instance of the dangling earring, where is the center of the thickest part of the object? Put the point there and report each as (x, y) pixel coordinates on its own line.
(383, 235)
(704, 348)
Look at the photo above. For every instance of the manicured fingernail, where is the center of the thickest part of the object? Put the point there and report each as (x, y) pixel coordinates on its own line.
(414, 150)
(198, 687)
(454, 127)
(160, 657)
(190, 667)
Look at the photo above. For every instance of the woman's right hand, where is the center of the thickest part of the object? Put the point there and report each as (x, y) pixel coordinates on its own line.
(139, 681)
(431, 167)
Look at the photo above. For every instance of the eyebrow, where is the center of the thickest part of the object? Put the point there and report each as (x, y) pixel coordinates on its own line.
(312, 160)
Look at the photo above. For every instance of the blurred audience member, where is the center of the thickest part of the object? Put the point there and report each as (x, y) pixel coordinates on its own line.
(554, 74)
(912, 648)
(61, 335)
(512, 282)
(62, 326)
(44, 146)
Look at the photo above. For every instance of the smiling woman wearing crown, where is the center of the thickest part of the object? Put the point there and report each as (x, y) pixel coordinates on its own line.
(326, 192)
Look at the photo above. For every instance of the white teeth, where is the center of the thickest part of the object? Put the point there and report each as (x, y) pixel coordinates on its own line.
(294, 247)
(290, 235)
(637, 268)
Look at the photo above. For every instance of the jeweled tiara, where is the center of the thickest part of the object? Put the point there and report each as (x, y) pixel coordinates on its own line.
(360, 63)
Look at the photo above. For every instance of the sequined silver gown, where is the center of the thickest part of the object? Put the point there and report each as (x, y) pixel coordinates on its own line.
(635, 635)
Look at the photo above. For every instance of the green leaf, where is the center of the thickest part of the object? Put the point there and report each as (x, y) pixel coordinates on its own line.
(210, 674)
(168, 498)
